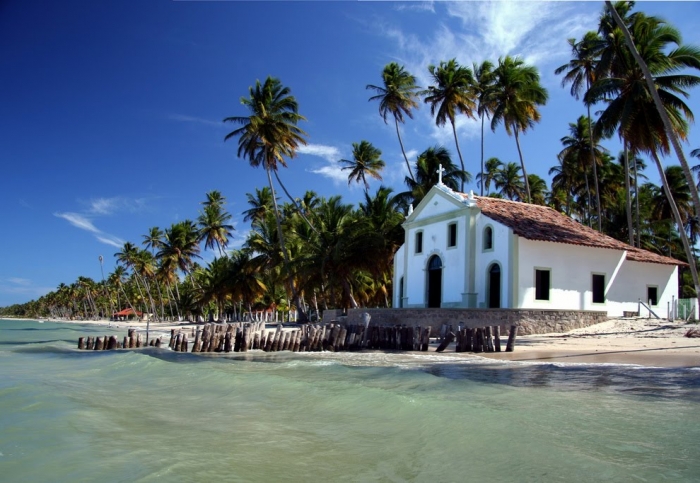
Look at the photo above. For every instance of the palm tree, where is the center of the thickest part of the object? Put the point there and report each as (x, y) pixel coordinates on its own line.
(517, 95)
(509, 182)
(452, 93)
(427, 167)
(483, 86)
(260, 204)
(215, 198)
(680, 194)
(644, 108)
(660, 34)
(214, 228)
(577, 150)
(397, 96)
(538, 189)
(579, 70)
(486, 177)
(366, 160)
(269, 134)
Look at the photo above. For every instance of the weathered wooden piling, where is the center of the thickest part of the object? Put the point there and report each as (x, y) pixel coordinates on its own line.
(497, 338)
(510, 346)
(449, 337)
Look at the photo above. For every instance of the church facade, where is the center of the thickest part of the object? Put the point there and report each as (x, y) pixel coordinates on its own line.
(476, 252)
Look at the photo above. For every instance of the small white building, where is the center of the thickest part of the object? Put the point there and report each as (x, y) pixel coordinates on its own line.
(477, 252)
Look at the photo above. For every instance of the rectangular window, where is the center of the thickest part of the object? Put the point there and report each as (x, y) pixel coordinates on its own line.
(598, 288)
(452, 235)
(542, 284)
(653, 295)
(419, 242)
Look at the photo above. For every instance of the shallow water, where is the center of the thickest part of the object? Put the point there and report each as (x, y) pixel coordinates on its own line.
(152, 414)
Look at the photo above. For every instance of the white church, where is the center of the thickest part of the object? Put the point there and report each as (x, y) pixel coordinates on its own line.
(477, 252)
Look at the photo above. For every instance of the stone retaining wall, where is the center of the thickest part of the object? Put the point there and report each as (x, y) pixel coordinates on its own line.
(529, 321)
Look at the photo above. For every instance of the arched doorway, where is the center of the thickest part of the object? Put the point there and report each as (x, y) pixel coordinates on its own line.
(495, 286)
(434, 282)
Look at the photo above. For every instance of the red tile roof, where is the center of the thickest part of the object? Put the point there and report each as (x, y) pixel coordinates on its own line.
(542, 223)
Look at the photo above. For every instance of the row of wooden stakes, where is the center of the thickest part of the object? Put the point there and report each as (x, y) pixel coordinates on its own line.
(478, 339)
(245, 336)
(131, 341)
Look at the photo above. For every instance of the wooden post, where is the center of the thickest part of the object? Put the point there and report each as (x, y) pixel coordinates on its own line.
(177, 342)
(197, 340)
(446, 341)
(510, 346)
(489, 340)
(426, 339)
(98, 344)
(183, 344)
(497, 338)
(159, 341)
(81, 343)
(479, 340)
(112, 343)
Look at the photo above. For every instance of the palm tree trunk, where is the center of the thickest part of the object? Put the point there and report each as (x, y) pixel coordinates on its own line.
(636, 203)
(588, 197)
(628, 201)
(280, 235)
(482, 155)
(679, 222)
(294, 202)
(595, 165)
(669, 132)
(522, 164)
(459, 152)
(408, 165)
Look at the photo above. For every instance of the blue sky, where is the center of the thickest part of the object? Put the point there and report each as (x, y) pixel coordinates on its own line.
(111, 118)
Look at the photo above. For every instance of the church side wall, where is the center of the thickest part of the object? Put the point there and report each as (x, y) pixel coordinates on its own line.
(571, 269)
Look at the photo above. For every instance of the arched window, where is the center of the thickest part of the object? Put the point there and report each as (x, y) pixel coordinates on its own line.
(488, 238)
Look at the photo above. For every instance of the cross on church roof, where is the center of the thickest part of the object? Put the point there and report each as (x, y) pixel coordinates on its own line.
(440, 171)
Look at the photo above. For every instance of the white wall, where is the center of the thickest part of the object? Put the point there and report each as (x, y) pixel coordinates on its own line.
(398, 273)
(571, 269)
(484, 259)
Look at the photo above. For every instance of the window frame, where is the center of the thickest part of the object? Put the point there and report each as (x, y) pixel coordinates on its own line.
(593, 288)
(484, 247)
(418, 243)
(537, 285)
(452, 235)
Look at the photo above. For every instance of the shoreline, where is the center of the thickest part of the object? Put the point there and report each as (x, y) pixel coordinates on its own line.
(638, 341)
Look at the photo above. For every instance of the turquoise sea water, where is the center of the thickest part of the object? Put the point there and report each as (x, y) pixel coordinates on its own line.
(155, 415)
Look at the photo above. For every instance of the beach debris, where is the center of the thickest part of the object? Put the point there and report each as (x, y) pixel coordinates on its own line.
(693, 333)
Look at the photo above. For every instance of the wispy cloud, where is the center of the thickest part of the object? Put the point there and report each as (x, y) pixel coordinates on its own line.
(109, 206)
(332, 171)
(78, 221)
(332, 168)
(84, 223)
(416, 6)
(474, 31)
(329, 153)
(19, 281)
(110, 240)
(195, 120)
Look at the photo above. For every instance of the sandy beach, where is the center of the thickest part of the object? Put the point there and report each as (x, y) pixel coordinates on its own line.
(640, 341)
(646, 342)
